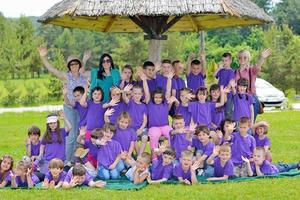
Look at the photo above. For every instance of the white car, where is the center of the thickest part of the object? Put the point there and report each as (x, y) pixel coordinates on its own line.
(268, 94)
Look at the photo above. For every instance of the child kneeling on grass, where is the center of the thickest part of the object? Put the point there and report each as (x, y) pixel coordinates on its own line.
(260, 166)
(78, 176)
(220, 159)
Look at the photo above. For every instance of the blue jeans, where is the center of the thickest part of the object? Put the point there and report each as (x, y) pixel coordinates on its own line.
(229, 108)
(73, 117)
(256, 106)
(285, 167)
(107, 174)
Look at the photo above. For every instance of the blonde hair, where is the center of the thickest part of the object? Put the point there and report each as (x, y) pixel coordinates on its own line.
(146, 157)
(245, 53)
(56, 163)
(225, 148)
(186, 153)
(260, 149)
(124, 115)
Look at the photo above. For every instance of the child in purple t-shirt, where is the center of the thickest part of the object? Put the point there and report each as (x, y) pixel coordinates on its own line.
(109, 156)
(260, 130)
(181, 138)
(149, 70)
(242, 145)
(125, 135)
(138, 113)
(201, 109)
(23, 176)
(126, 77)
(33, 143)
(242, 101)
(6, 165)
(181, 106)
(56, 174)
(53, 142)
(162, 168)
(185, 171)
(195, 72)
(220, 159)
(78, 176)
(259, 166)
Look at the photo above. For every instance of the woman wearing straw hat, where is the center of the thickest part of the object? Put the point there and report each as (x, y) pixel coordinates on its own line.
(72, 78)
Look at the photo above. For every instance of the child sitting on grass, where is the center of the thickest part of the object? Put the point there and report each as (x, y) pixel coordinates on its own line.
(260, 130)
(55, 176)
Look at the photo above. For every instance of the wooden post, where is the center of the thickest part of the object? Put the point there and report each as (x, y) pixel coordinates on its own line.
(202, 41)
(154, 50)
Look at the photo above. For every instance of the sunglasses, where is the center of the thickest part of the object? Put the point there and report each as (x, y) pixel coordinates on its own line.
(74, 63)
(107, 61)
(94, 137)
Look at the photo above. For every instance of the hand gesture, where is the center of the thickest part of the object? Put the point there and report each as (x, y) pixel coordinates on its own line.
(61, 114)
(192, 127)
(190, 96)
(192, 56)
(231, 127)
(216, 150)
(232, 83)
(226, 90)
(202, 55)
(187, 182)
(266, 53)
(197, 164)
(128, 88)
(141, 74)
(28, 141)
(245, 159)
(113, 102)
(171, 74)
(43, 51)
(219, 134)
(73, 181)
(171, 100)
(157, 65)
(87, 55)
(64, 89)
(52, 184)
(123, 155)
(109, 112)
(82, 131)
(12, 174)
(100, 184)
(220, 65)
(29, 171)
(118, 90)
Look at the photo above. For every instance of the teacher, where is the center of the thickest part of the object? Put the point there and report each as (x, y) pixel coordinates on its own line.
(105, 76)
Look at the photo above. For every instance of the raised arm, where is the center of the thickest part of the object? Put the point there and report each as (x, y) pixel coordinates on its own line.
(43, 54)
(83, 100)
(146, 88)
(202, 57)
(191, 57)
(264, 54)
(81, 136)
(169, 85)
(210, 159)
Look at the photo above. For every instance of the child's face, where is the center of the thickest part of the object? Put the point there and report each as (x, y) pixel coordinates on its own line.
(124, 123)
(226, 61)
(202, 96)
(183, 97)
(224, 156)
(114, 94)
(196, 69)
(203, 137)
(55, 171)
(141, 163)
(77, 95)
(186, 161)
(34, 138)
(178, 124)
(215, 94)
(260, 130)
(97, 96)
(5, 164)
(258, 157)
(127, 73)
(178, 67)
(158, 98)
(167, 159)
(166, 68)
(108, 134)
(242, 89)
(243, 128)
(150, 72)
(80, 179)
(20, 171)
(53, 126)
(137, 94)
(227, 125)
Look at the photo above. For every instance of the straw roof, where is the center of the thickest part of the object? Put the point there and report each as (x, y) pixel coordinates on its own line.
(114, 15)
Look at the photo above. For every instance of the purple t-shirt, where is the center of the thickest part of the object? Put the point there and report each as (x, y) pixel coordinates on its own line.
(136, 112)
(35, 149)
(201, 113)
(263, 142)
(95, 115)
(157, 114)
(266, 168)
(158, 171)
(125, 137)
(220, 171)
(195, 81)
(178, 172)
(24, 184)
(161, 81)
(241, 146)
(184, 111)
(217, 114)
(121, 107)
(151, 84)
(241, 106)
(225, 75)
(82, 111)
(206, 149)
(61, 177)
(69, 177)
(179, 143)
(93, 149)
(180, 84)
(108, 153)
(55, 149)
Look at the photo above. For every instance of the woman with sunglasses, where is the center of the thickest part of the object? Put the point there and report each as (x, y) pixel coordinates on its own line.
(250, 73)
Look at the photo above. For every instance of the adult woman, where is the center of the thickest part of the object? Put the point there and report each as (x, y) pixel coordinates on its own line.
(249, 72)
(105, 76)
(71, 79)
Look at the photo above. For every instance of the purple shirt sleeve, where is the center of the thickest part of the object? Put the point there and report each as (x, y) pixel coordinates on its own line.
(228, 169)
(209, 149)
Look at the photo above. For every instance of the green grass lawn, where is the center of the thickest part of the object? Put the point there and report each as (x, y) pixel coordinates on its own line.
(285, 138)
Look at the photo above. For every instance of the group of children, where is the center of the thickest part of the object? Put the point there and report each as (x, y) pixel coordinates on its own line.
(213, 133)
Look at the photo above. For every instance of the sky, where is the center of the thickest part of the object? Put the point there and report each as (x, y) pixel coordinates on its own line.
(16, 8)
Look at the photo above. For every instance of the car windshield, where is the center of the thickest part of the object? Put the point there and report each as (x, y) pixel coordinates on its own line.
(264, 85)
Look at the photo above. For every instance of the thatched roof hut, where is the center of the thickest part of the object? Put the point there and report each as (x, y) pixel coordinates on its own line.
(117, 15)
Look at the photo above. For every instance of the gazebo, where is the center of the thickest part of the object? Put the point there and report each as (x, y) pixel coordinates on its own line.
(154, 17)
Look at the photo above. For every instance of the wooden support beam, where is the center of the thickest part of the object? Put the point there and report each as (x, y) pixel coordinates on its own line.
(194, 23)
(110, 24)
(139, 22)
(170, 24)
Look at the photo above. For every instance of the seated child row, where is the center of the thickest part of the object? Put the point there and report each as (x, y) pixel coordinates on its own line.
(230, 153)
